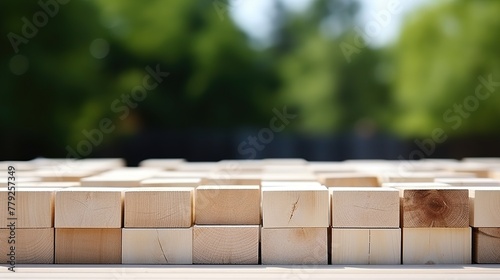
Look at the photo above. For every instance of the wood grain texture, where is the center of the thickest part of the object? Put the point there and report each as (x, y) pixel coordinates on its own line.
(33, 246)
(157, 246)
(429, 207)
(88, 208)
(484, 206)
(294, 246)
(34, 207)
(366, 246)
(486, 245)
(284, 207)
(88, 246)
(227, 205)
(356, 207)
(348, 180)
(437, 245)
(158, 207)
(226, 244)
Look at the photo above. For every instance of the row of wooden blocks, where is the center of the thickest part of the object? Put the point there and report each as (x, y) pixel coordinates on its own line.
(269, 212)
(360, 217)
(421, 205)
(241, 245)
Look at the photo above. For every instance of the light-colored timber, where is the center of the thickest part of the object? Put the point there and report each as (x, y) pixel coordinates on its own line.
(88, 246)
(227, 205)
(298, 246)
(157, 246)
(32, 246)
(437, 245)
(158, 207)
(423, 207)
(226, 244)
(366, 246)
(284, 207)
(484, 206)
(85, 207)
(360, 207)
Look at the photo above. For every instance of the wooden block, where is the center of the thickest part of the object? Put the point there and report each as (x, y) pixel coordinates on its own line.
(488, 160)
(101, 163)
(108, 181)
(227, 205)
(494, 173)
(181, 175)
(226, 244)
(360, 207)
(420, 177)
(157, 246)
(486, 245)
(121, 177)
(171, 182)
(85, 207)
(437, 245)
(418, 185)
(158, 207)
(366, 246)
(133, 172)
(34, 207)
(480, 170)
(469, 182)
(348, 180)
(55, 175)
(197, 166)
(4, 180)
(88, 246)
(288, 177)
(291, 184)
(163, 163)
(484, 207)
(322, 167)
(19, 165)
(49, 185)
(306, 206)
(33, 246)
(230, 179)
(299, 246)
(423, 207)
(240, 166)
(286, 169)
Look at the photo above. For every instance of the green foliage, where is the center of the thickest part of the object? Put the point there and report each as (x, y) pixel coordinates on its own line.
(218, 80)
(442, 52)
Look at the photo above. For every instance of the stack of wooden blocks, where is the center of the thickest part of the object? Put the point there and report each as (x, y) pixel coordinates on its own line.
(294, 224)
(271, 212)
(227, 221)
(435, 224)
(365, 226)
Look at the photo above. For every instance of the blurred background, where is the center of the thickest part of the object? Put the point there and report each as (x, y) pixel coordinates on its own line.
(220, 79)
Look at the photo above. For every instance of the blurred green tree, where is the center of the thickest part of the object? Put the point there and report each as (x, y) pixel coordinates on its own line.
(331, 92)
(444, 53)
(215, 79)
